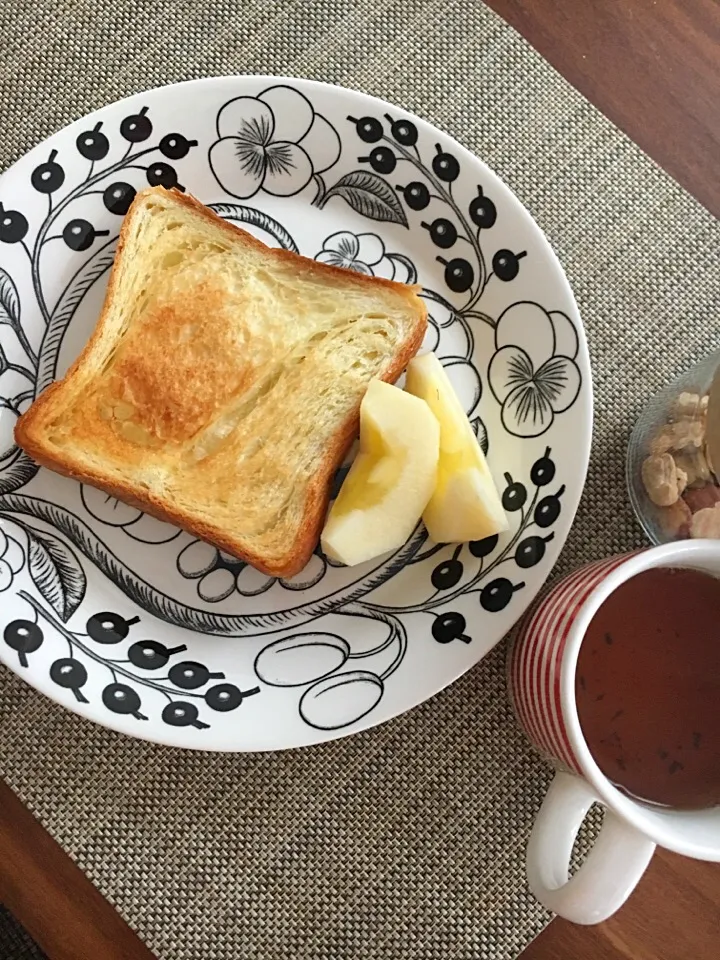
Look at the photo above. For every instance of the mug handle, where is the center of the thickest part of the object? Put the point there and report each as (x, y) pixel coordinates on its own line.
(611, 871)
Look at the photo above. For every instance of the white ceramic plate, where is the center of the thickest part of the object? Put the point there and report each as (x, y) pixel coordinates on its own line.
(139, 626)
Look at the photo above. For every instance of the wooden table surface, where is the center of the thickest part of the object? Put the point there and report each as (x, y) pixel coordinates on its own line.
(653, 67)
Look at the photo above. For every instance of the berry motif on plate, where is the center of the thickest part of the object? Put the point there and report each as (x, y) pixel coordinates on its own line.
(416, 195)
(449, 573)
(183, 690)
(548, 510)
(79, 234)
(109, 627)
(54, 567)
(331, 639)
(483, 569)
(403, 131)
(444, 165)
(450, 626)
(163, 175)
(13, 225)
(483, 211)
(443, 232)
(70, 673)
(381, 159)
(459, 274)
(118, 197)
(176, 146)
(218, 574)
(49, 176)
(25, 637)
(506, 264)
(514, 495)
(93, 144)
(429, 187)
(525, 547)
(137, 127)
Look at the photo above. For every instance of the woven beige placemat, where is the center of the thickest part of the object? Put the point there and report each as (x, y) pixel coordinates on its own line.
(404, 842)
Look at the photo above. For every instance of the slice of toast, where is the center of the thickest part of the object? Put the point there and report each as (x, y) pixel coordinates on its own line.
(221, 387)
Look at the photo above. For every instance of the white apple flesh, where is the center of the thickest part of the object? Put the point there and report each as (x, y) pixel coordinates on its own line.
(465, 504)
(390, 481)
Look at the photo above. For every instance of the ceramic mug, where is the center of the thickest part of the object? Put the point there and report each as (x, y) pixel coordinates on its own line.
(541, 673)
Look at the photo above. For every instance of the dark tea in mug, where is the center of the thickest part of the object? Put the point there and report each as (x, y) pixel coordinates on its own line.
(647, 687)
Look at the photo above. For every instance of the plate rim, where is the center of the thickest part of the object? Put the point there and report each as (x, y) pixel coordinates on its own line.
(583, 444)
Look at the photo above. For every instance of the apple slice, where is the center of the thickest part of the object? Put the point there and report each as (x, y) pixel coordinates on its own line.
(465, 504)
(391, 479)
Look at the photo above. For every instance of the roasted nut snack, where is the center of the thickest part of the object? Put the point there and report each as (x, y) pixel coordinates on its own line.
(677, 474)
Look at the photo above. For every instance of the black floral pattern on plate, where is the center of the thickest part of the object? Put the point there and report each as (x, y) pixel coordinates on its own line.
(187, 685)
(276, 144)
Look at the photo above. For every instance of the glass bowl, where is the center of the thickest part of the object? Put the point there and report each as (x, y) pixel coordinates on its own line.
(672, 425)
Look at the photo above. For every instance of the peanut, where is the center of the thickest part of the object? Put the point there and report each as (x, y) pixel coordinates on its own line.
(663, 481)
(705, 524)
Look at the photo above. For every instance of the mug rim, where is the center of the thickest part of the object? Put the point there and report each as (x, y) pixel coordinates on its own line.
(688, 553)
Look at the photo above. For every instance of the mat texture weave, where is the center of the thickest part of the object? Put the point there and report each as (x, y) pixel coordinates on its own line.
(406, 841)
(15, 942)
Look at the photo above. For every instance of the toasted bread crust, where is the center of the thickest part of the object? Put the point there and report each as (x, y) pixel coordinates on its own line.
(29, 430)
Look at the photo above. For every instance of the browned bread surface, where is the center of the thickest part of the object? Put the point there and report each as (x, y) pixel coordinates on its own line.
(221, 387)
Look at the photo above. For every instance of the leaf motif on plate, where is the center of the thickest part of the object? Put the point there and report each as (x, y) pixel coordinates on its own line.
(369, 195)
(55, 571)
(481, 433)
(89, 272)
(256, 218)
(9, 300)
(17, 472)
(179, 613)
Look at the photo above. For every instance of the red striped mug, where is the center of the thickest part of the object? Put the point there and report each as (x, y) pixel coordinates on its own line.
(541, 675)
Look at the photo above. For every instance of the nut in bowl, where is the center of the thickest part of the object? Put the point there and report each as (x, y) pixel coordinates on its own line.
(673, 487)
